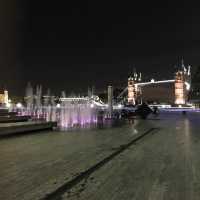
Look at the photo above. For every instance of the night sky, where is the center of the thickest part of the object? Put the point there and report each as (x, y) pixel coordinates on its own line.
(70, 45)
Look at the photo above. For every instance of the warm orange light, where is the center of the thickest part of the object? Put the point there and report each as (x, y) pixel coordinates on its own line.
(179, 89)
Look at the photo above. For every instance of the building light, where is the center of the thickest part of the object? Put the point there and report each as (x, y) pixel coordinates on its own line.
(187, 86)
(58, 105)
(152, 80)
(8, 105)
(119, 106)
(19, 105)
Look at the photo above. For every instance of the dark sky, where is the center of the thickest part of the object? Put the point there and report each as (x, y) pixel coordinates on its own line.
(68, 45)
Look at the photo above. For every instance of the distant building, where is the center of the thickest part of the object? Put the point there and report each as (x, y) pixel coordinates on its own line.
(4, 98)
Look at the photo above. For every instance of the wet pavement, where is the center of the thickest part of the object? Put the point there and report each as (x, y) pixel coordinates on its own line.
(106, 163)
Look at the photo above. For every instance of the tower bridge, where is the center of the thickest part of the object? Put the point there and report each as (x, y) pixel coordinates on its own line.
(180, 87)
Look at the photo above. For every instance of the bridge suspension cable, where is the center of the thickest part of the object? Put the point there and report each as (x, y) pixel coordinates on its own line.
(122, 92)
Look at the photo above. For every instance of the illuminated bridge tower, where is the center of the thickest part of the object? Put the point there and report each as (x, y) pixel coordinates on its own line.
(4, 98)
(182, 85)
(133, 90)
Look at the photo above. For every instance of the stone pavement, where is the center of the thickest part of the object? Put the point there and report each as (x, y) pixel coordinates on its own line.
(163, 165)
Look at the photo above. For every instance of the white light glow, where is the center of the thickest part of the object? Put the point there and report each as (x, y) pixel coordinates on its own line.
(19, 105)
(8, 105)
(119, 106)
(161, 105)
(155, 82)
(152, 80)
(58, 105)
(187, 86)
(191, 105)
(92, 105)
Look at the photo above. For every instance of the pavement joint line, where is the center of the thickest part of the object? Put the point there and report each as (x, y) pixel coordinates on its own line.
(57, 194)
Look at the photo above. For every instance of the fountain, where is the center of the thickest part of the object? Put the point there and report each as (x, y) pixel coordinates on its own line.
(76, 112)
(68, 113)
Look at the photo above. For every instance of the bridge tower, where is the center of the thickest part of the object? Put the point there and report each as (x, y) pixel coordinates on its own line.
(133, 90)
(182, 84)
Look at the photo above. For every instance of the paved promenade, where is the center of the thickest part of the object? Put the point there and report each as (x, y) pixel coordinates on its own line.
(107, 163)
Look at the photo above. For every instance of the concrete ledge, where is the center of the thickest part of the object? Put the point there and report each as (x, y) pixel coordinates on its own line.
(10, 119)
(7, 129)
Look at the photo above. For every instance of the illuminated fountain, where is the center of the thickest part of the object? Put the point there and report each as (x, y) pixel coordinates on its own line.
(76, 112)
(69, 112)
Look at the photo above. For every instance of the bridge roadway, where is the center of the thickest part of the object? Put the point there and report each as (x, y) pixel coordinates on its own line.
(164, 164)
